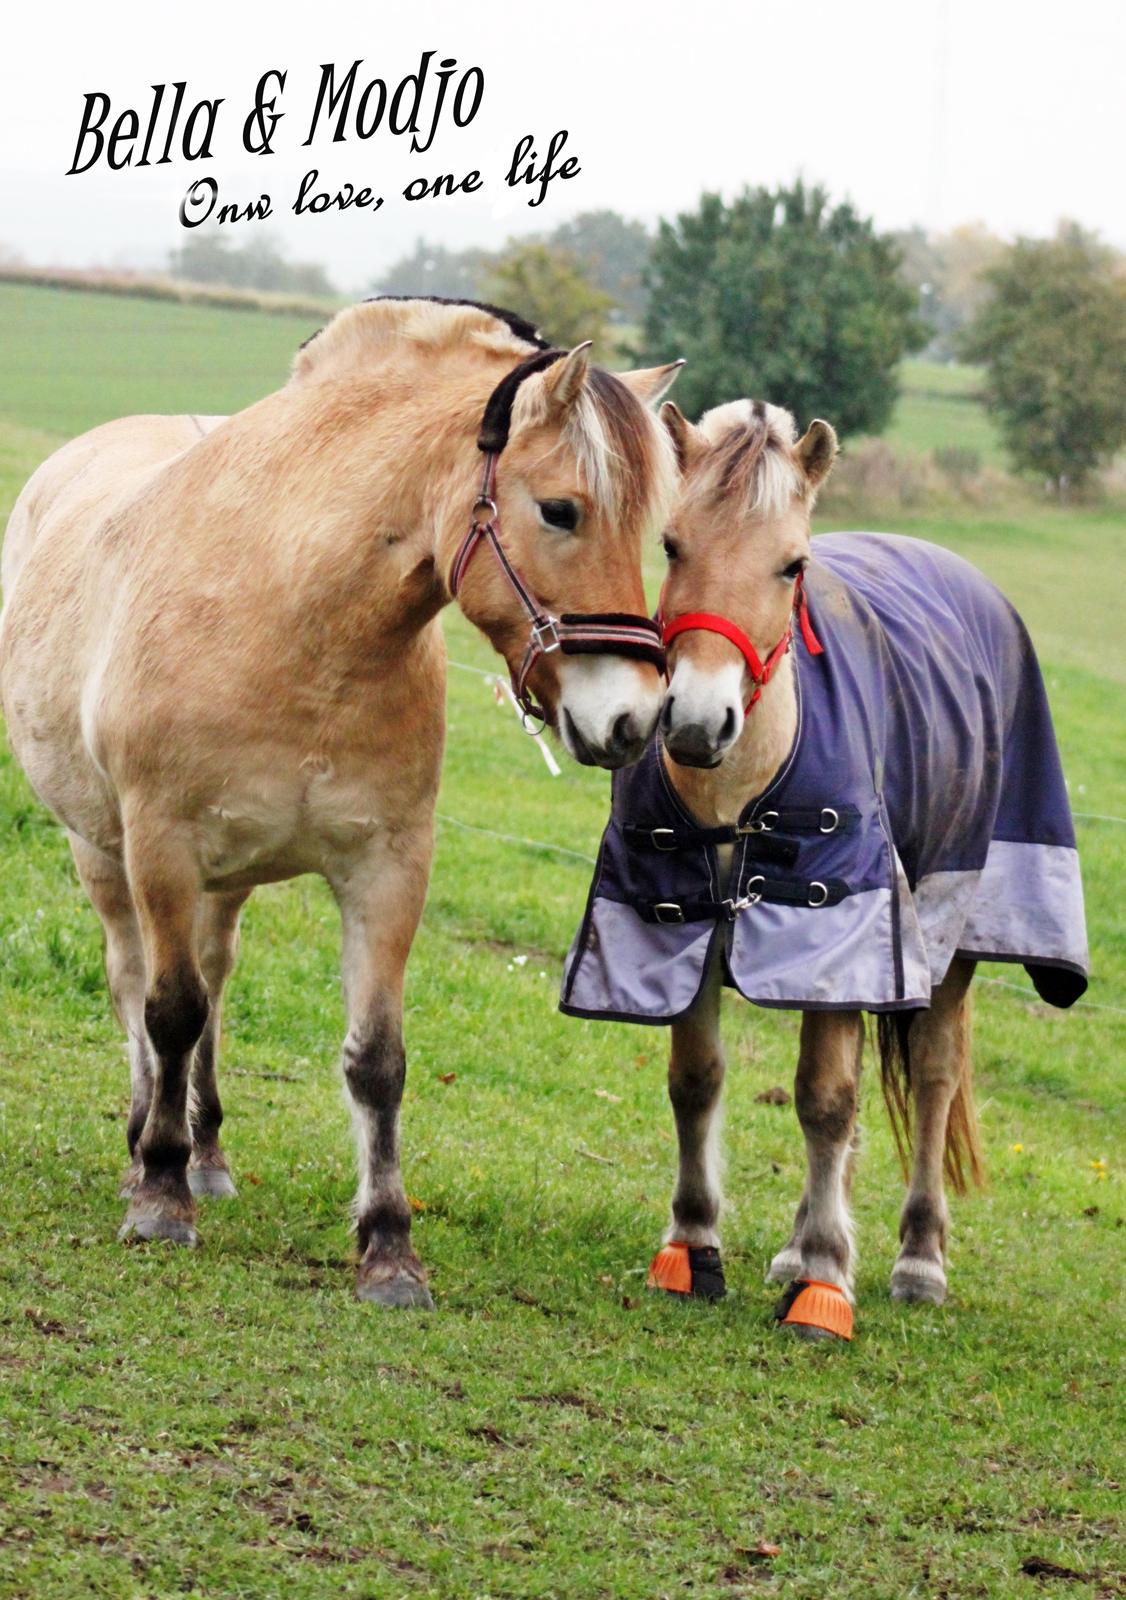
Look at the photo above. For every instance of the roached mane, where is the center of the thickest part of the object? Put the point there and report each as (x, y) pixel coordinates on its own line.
(753, 459)
(623, 453)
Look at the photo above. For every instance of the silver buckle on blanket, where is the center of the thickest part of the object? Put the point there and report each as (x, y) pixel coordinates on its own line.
(747, 900)
(820, 897)
(657, 834)
(833, 822)
(764, 824)
(668, 911)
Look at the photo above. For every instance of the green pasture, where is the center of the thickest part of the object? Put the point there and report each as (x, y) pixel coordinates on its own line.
(229, 1422)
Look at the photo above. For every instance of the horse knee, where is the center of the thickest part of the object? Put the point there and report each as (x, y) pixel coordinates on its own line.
(375, 1065)
(176, 1010)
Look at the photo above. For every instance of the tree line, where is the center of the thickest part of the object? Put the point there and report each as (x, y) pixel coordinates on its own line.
(785, 294)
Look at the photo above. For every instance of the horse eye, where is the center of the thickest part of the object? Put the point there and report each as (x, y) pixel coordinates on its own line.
(562, 514)
(795, 569)
(671, 549)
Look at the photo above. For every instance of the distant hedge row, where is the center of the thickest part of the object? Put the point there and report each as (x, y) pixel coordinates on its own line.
(139, 288)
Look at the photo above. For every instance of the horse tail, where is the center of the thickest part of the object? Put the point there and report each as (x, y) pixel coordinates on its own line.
(962, 1157)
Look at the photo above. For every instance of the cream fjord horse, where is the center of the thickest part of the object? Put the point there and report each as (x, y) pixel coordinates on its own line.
(222, 665)
(856, 794)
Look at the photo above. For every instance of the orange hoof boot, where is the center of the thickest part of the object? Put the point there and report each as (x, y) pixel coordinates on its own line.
(694, 1271)
(815, 1310)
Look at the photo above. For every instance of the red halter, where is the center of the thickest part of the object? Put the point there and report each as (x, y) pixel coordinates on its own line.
(760, 671)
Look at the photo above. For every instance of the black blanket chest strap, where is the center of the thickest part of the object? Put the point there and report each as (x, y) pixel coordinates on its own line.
(822, 820)
(775, 891)
(782, 852)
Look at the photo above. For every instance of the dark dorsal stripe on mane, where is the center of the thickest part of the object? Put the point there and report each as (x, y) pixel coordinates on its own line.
(497, 421)
(518, 326)
(740, 452)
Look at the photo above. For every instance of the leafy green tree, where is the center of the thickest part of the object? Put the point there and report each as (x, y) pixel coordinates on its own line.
(212, 256)
(783, 296)
(1052, 338)
(612, 251)
(548, 287)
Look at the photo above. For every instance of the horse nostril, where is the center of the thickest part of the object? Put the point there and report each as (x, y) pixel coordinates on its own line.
(623, 735)
(666, 712)
(728, 730)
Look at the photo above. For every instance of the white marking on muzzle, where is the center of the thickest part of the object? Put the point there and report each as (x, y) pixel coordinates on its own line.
(597, 691)
(704, 698)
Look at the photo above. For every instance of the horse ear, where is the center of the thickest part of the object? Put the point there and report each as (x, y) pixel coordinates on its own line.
(688, 442)
(817, 450)
(649, 384)
(563, 381)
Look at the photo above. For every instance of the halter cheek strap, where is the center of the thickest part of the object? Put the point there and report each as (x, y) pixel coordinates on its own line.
(573, 633)
(759, 671)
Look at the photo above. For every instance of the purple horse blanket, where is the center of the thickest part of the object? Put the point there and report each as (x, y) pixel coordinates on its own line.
(921, 814)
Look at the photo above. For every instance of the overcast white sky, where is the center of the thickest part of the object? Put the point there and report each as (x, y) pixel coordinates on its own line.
(931, 111)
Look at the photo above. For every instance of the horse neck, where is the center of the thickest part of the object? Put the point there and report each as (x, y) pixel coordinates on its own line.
(390, 497)
(717, 795)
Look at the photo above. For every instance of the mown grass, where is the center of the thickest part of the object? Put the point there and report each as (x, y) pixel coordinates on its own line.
(230, 1423)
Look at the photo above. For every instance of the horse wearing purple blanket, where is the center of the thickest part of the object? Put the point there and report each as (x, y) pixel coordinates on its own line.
(836, 823)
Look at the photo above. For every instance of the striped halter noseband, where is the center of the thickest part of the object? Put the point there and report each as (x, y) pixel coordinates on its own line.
(573, 633)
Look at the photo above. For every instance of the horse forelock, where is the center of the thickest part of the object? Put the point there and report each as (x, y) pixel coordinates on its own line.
(753, 459)
(625, 456)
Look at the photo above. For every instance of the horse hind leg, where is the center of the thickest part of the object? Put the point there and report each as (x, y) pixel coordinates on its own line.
(165, 889)
(108, 890)
(936, 1066)
(217, 934)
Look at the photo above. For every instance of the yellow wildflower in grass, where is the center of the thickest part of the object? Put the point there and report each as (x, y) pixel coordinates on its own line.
(1098, 1166)
(1017, 1149)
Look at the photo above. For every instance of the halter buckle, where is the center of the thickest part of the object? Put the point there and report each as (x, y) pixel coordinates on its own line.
(546, 630)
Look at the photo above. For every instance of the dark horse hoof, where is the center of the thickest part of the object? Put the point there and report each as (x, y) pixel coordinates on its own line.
(211, 1183)
(691, 1272)
(395, 1287)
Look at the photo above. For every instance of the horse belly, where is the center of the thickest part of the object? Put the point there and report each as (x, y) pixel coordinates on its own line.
(280, 827)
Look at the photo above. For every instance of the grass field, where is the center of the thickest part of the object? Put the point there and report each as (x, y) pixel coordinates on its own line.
(229, 1422)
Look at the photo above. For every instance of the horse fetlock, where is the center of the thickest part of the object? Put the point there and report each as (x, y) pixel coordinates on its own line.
(827, 1256)
(786, 1265)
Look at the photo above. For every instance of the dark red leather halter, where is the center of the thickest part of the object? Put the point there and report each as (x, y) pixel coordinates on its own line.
(573, 633)
(760, 671)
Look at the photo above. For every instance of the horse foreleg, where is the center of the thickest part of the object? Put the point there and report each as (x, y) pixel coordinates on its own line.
(938, 1070)
(164, 883)
(689, 1263)
(108, 889)
(217, 934)
(380, 905)
(825, 1094)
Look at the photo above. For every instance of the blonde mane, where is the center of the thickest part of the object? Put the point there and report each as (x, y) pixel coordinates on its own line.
(753, 457)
